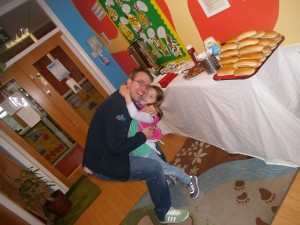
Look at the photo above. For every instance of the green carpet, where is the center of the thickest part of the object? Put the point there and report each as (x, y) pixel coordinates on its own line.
(81, 194)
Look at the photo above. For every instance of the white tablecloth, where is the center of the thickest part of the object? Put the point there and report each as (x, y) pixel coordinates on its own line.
(259, 116)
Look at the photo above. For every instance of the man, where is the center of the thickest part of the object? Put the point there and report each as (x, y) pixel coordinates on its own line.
(107, 154)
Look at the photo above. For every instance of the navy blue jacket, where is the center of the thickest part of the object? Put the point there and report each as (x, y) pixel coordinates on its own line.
(108, 145)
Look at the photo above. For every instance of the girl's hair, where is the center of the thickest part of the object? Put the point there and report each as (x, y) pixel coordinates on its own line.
(159, 99)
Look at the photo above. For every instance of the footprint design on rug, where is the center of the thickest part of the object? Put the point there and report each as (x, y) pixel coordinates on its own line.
(274, 208)
(259, 221)
(242, 199)
(239, 185)
(267, 196)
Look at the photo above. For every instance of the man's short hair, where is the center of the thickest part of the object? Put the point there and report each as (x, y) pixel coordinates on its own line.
(134, 72)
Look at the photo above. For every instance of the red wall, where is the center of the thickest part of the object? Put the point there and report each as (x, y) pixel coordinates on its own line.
(241, 16)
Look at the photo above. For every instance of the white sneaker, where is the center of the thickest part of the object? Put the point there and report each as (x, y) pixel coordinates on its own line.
(87, 170)
(175, 216)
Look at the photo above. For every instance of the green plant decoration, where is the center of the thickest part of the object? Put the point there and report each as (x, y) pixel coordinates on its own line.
(32, 187)
(2, 68)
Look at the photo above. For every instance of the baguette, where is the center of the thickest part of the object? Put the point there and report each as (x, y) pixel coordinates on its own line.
(244, 71)
(226, 71)
(229, 46)
(248, 41)
(231, 52)
(251, 49)
(246, 34)
(228, 60)
(247, 63)
(256, 55)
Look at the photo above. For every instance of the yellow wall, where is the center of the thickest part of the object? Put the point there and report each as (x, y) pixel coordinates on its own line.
(288, 21)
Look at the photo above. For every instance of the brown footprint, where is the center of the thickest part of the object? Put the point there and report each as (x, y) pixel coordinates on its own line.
(267, 196)
(239, 185)
(274, 208)
(242, 199)
(259, 221)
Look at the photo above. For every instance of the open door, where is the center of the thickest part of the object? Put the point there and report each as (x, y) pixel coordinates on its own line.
(55, 97)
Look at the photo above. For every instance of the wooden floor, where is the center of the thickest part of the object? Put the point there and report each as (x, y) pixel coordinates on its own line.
(117, 198)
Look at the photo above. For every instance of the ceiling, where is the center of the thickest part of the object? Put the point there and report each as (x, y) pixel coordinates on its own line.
(21, 14)
(18, 14)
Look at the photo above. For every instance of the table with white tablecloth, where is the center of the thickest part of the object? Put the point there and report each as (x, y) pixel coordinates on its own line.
(258, 116)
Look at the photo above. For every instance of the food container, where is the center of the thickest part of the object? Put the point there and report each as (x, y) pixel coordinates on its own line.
(209, 62)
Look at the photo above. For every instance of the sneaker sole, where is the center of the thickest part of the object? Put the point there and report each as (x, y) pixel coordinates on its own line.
(185, 218)
(197, 187)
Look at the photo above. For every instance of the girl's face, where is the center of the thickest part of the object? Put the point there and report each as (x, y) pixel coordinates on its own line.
(149, 98)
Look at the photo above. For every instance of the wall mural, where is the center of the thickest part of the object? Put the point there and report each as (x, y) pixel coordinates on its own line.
(144, 19)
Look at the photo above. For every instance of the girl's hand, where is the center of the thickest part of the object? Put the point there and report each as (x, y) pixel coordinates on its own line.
(150, 109)
(148, 131)
(124, 91)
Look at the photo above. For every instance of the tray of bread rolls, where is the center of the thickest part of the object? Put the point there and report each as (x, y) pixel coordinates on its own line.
(243, 55)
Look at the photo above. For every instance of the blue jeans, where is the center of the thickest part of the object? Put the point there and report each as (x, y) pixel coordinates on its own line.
(171, 170)
(151, 171)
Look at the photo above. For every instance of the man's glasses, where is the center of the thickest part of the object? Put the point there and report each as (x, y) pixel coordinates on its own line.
(141, 83)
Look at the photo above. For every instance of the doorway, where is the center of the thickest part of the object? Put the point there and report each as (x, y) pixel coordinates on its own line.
(56, 97)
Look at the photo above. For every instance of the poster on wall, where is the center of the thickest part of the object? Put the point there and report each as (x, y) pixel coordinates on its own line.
(58, 70)
(144, 19)
(212, 7)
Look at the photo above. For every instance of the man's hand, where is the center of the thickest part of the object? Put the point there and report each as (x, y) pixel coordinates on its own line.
(148, 131)
(150, 109)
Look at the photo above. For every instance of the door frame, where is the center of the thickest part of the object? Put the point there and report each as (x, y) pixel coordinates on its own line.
(77, 49)
(9, 144)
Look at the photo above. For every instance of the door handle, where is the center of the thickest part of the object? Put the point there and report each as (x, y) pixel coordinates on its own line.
(47, 91)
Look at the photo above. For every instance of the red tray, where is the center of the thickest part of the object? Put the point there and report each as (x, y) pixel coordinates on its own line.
(232, 77)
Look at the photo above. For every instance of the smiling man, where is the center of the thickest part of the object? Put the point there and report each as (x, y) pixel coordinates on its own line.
(107, 154)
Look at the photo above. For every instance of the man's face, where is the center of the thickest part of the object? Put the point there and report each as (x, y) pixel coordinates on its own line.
(139, 86)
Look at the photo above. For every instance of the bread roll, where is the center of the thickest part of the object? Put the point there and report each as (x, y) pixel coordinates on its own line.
(272, 44)
(267, 50)
(251, 49)
(230, 65)
(248, 41)
(232, 39)
(264, 41)
(247, 63)
(258, 34)
(270, 34)
(228, 60)
(277, 38)
(246, 34)
(231, 52)
(256, 55)
(229, 46)
(244, 71)
(225, 71)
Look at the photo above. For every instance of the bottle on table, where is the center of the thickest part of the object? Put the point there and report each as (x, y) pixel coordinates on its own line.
(193, 54)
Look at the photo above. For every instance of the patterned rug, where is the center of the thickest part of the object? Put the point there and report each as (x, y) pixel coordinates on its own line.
(234, 189)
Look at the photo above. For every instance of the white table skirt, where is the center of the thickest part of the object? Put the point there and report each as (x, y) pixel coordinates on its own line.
(259, 116)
